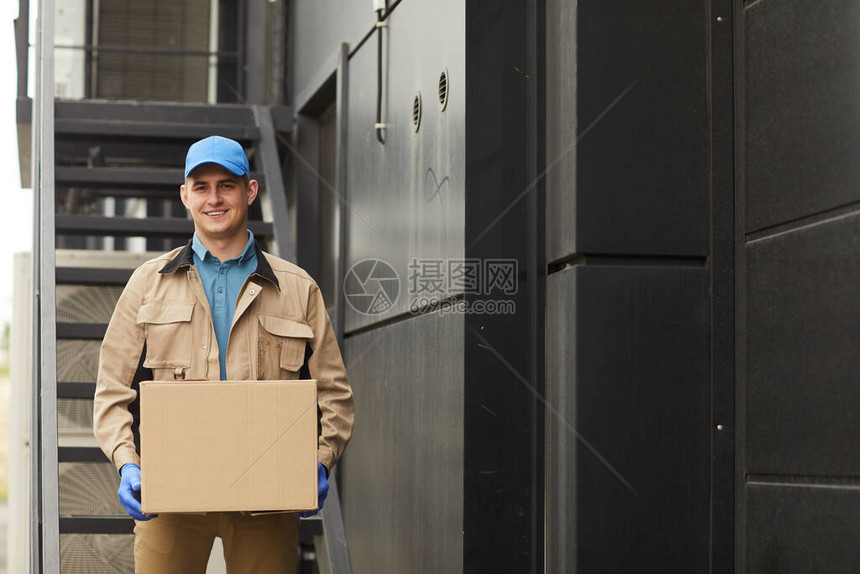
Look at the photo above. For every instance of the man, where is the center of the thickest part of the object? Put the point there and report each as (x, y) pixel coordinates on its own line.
(217, 308)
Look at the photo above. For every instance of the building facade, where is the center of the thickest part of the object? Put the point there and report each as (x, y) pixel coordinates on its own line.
(591, 264)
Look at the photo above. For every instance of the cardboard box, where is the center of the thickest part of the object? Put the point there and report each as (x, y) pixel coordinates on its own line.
(228, 445)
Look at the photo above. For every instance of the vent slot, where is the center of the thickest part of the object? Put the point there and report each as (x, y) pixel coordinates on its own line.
(443, 90)
(416, 112)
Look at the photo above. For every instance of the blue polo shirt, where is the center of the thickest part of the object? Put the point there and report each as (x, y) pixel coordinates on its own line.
(222, 283)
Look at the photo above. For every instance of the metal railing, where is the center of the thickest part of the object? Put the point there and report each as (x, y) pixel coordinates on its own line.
(44, 496)
(226, 64)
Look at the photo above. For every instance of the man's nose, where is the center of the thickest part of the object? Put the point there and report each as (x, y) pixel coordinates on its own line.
(214, 197)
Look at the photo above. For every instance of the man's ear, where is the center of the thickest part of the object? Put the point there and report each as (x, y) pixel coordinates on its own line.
(183, 196)
(252, 191)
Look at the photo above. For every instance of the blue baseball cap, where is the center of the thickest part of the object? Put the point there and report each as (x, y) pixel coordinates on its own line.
(216, 149)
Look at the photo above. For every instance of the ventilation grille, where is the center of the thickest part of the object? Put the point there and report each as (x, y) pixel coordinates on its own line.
(75, 416)
(89, 489)
(77, 361)
(416, 112)
(443, 90)
(97, 554)
(79, 304)
(86, 489)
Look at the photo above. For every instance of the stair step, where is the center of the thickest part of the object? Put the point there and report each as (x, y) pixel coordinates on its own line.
(76, 390)
(131, 118)
(161, 120)
(125, 128)
(150, 152)
(128, 226)
(93, 276)
(310, 527)
(126, 177)
(96, 525)
(137, 178)
(81, 454)
(159, 194)
(89, 331)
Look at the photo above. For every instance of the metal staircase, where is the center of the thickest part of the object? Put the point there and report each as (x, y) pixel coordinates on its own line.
(139, 163)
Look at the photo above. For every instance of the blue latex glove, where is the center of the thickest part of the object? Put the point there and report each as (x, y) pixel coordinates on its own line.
(129, 492)
(323, 492)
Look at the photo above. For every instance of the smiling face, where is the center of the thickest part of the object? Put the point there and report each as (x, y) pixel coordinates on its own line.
(218, 201)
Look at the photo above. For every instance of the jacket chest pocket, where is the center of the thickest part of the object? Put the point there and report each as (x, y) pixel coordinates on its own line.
(167, 327)
(281, 347)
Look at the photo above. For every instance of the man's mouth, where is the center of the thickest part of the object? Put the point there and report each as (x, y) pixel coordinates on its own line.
(216, 213)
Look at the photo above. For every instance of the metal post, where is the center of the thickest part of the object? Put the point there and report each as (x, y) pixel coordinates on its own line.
(255, 51)
(22, 35)
(277, 53)
(274, 183)
(35, 427)
(241, 17)
(335, 533)
(89, 40)
(342, 79)
(45, 544)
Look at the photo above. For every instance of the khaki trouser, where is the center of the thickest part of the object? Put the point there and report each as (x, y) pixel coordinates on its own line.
(181, 543)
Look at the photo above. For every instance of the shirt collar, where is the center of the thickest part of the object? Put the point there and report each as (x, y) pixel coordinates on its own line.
(185, 258)
(201, 251)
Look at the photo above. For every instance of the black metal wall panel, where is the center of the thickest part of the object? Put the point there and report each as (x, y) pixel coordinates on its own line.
(402, 476)
(318, 27)
(406, 197)
(799, 223)
(797, 529)
(642, 169)
(802, 109)
(628, 379)
(503, 471)
(803, 322)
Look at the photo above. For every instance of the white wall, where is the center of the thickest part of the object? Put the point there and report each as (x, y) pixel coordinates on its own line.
(17, 541)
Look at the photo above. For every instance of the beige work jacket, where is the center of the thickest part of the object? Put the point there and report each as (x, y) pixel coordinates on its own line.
(163, 317)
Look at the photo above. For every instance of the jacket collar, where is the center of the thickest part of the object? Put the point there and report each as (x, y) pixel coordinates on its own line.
(185, 258)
